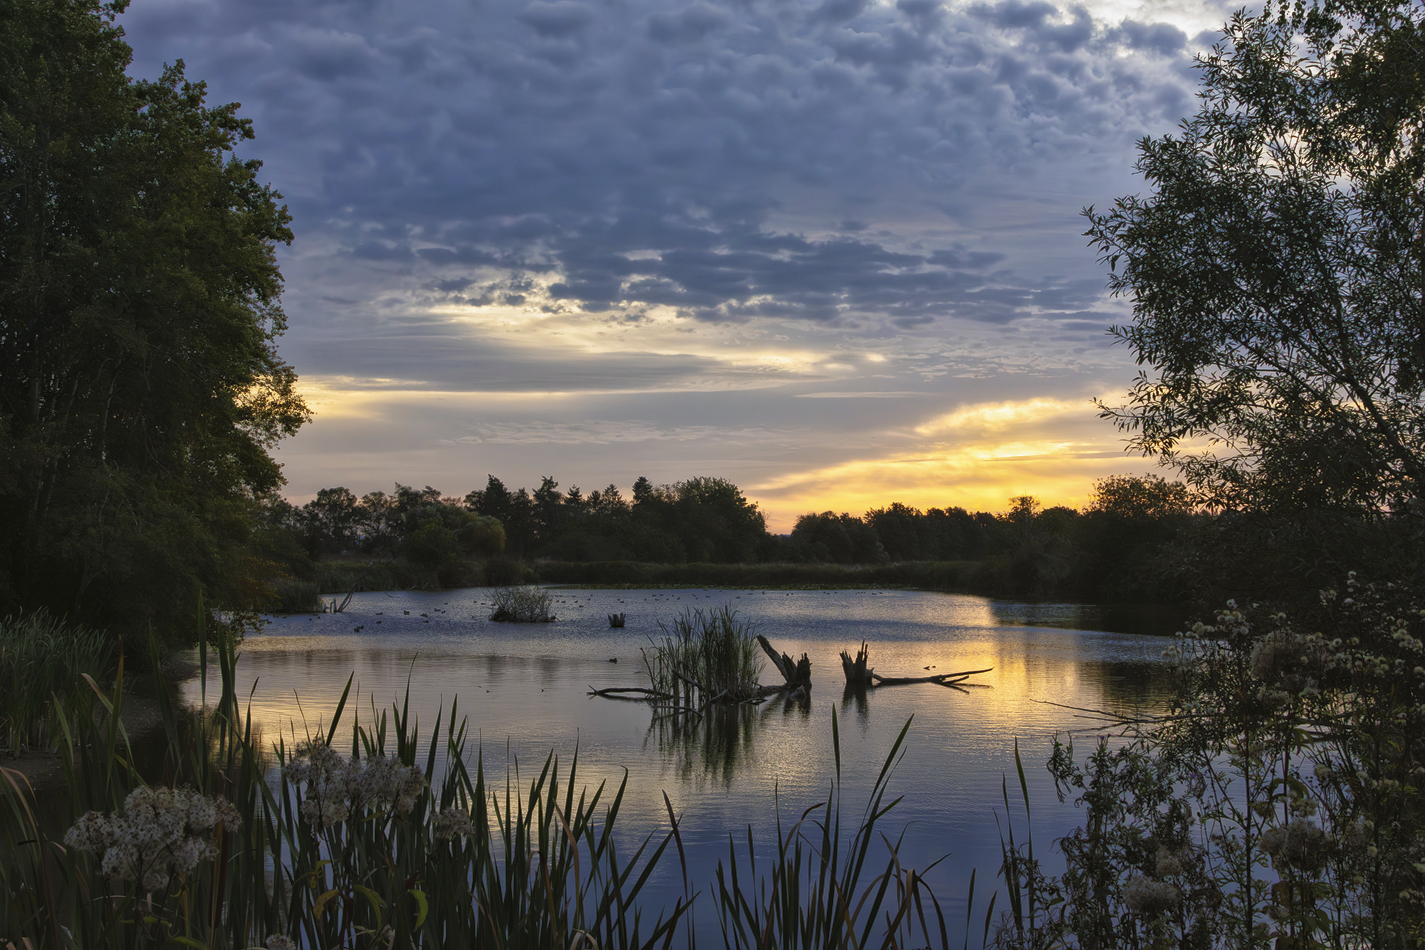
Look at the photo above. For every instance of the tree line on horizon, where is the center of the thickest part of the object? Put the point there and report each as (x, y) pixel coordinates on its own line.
(1028, 549)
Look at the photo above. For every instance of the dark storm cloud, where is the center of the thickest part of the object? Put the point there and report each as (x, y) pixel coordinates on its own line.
(644, 153)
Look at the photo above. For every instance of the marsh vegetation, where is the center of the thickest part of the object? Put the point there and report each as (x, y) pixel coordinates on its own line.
(356, 838)
(520, 605)
(704, 656)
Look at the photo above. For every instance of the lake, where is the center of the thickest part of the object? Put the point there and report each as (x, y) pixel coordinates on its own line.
(524, 689)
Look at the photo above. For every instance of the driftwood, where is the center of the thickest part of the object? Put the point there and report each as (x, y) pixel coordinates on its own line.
(861, 676)
(796, 675)
(797, 678)
(940, 679)
(638, 692)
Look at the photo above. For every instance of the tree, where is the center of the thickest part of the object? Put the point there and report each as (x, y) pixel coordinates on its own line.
(716, 522)
(140, 386)
(1278, 268)
(840, 539)
(1139, 499)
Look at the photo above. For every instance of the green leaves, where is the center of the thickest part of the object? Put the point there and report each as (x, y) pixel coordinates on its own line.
(1275, 270)
(138, 277)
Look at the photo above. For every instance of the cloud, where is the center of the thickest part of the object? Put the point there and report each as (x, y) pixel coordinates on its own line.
(509, 211)
(563, 135)
(558, 19)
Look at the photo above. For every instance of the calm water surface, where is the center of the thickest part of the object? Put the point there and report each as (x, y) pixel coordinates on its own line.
(524, 690)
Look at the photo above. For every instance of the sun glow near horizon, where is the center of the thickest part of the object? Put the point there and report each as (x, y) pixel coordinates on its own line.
(975, 456)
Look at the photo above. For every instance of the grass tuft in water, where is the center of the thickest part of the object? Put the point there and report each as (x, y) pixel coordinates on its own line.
(705, 656)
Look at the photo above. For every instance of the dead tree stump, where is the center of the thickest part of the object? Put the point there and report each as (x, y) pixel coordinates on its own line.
(796, 674)
(857, 672)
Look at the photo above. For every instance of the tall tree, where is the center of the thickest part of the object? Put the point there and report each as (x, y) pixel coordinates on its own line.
(1277, 271)
(140, 386)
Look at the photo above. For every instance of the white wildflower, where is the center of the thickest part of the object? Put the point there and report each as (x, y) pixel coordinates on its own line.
(338, 788)
(161, 833)
(451, 822)
(1150, 898)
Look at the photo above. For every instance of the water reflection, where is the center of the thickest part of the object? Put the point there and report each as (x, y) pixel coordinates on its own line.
(1151, 619)
(525, 691)
(718, 742)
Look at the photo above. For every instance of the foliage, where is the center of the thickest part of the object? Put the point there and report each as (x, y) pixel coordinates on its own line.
(1116, 548)
(142, 390)
(295, 597)
(1130, 541)
(812, 897)
(520, 605)
(1275, 271)
(707, 656)
(362, 846)
(837, 539)
(1280, 800)
(42, 660)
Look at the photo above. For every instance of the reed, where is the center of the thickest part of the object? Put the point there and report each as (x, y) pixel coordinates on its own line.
(704, 656)
(820, 892)
(296, 597)
(306, 847)
(41, 658)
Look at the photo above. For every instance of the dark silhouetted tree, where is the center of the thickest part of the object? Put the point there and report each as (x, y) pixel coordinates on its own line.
(140, 387)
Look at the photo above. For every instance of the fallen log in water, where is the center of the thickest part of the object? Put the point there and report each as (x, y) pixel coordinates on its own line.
(638, 692)
(861, 676)
(940, 679)
(797, 677)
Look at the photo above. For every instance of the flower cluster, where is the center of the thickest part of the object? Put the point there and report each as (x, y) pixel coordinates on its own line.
(451, 822)
(1299, 844)
(339, 788)
(162, 832)
(1148, 897)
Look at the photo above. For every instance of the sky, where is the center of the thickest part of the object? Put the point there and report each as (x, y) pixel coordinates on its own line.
(830, 250)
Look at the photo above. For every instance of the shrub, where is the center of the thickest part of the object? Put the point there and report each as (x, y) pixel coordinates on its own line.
(1282, 799)
(521, 605)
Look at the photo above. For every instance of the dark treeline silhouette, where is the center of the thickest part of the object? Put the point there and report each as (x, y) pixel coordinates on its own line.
(1118, 547)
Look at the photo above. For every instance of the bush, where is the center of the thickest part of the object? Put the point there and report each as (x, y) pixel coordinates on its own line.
(42, 659)
(1282, 799)
(296, 597)
(521, 605)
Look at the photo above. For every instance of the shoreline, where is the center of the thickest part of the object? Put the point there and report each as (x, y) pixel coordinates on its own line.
(141, 716)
